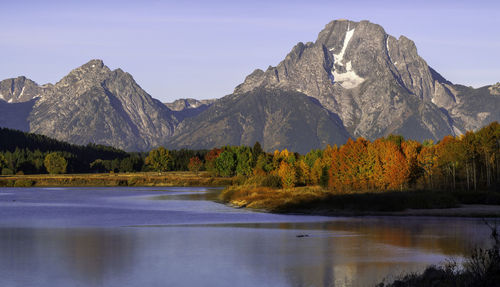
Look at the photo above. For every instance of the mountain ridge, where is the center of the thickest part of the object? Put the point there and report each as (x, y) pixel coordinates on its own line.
(353, 80)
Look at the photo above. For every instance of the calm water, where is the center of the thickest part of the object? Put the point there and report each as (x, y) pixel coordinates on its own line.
(178, 237)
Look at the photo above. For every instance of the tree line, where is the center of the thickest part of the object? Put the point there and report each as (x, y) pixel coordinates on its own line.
(27, 153)
(467, 162)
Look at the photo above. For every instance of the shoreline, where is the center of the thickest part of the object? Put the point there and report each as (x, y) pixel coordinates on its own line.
(172, 178)
(186, 178)
(321, 202)
(464, 211)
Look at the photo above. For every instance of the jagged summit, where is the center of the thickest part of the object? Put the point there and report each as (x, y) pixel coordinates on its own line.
(18, 90)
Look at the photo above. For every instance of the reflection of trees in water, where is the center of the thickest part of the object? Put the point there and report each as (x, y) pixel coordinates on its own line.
(358, 251)
(94, 254)
(453, 237)
(84, 255)
(449, 237)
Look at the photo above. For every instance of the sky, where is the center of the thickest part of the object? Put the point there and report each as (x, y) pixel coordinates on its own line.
(204, 49)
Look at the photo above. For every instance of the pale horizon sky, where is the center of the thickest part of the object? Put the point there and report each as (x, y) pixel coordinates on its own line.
(204, 49)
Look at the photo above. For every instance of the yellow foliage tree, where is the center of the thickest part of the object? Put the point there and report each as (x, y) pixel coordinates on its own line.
(302, 173)
(287, 175)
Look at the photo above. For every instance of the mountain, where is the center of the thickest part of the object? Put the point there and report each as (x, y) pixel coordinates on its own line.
(92, 104)
(374, 83)
(277, 119)
(354, 80)
(186, 108)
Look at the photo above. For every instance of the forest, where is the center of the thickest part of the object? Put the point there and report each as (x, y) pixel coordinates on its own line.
(26, 153)
(466, 162)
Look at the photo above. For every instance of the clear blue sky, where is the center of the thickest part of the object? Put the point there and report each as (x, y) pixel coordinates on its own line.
(203, 49)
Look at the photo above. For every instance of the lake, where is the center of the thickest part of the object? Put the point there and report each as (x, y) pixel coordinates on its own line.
(179, 237)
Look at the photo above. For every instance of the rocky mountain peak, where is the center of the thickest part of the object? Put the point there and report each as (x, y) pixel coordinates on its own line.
(94, 104)
(20, 89)
(92, 72)
(495, 89)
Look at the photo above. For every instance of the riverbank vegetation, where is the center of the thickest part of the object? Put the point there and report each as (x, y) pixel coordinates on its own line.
(452, 171)
(173, 178)
(481, 268)
(398, 173)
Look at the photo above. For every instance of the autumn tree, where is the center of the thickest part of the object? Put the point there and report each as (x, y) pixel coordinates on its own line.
(469, 146)
(287, 174)
(395, 139)
(311, 157)
(302, 173)
(411, 149)
(195, 164)
(488, 139)
(354, 168)
(283, 155)
(210, 158)
(448, 157)
(159, 159)
(427, 161)
(396, 171)
(316, 171)
(55, 163)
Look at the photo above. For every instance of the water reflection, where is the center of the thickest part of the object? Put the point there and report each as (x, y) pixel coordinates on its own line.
(448, 236)
(87, 256)
(358, 251)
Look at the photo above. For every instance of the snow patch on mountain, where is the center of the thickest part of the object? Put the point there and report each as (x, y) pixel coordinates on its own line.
(349, 79)
(338, 58)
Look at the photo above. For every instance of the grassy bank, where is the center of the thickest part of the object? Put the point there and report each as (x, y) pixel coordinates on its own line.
(179, 178)
(316, 200)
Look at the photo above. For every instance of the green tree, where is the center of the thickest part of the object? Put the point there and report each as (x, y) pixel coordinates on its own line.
(159, 159)
(55, 163)
(244, 161)
(256, 152)
(225, 164)
(264, 163)
(3, 161)
(98, 165)
(127, 165)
